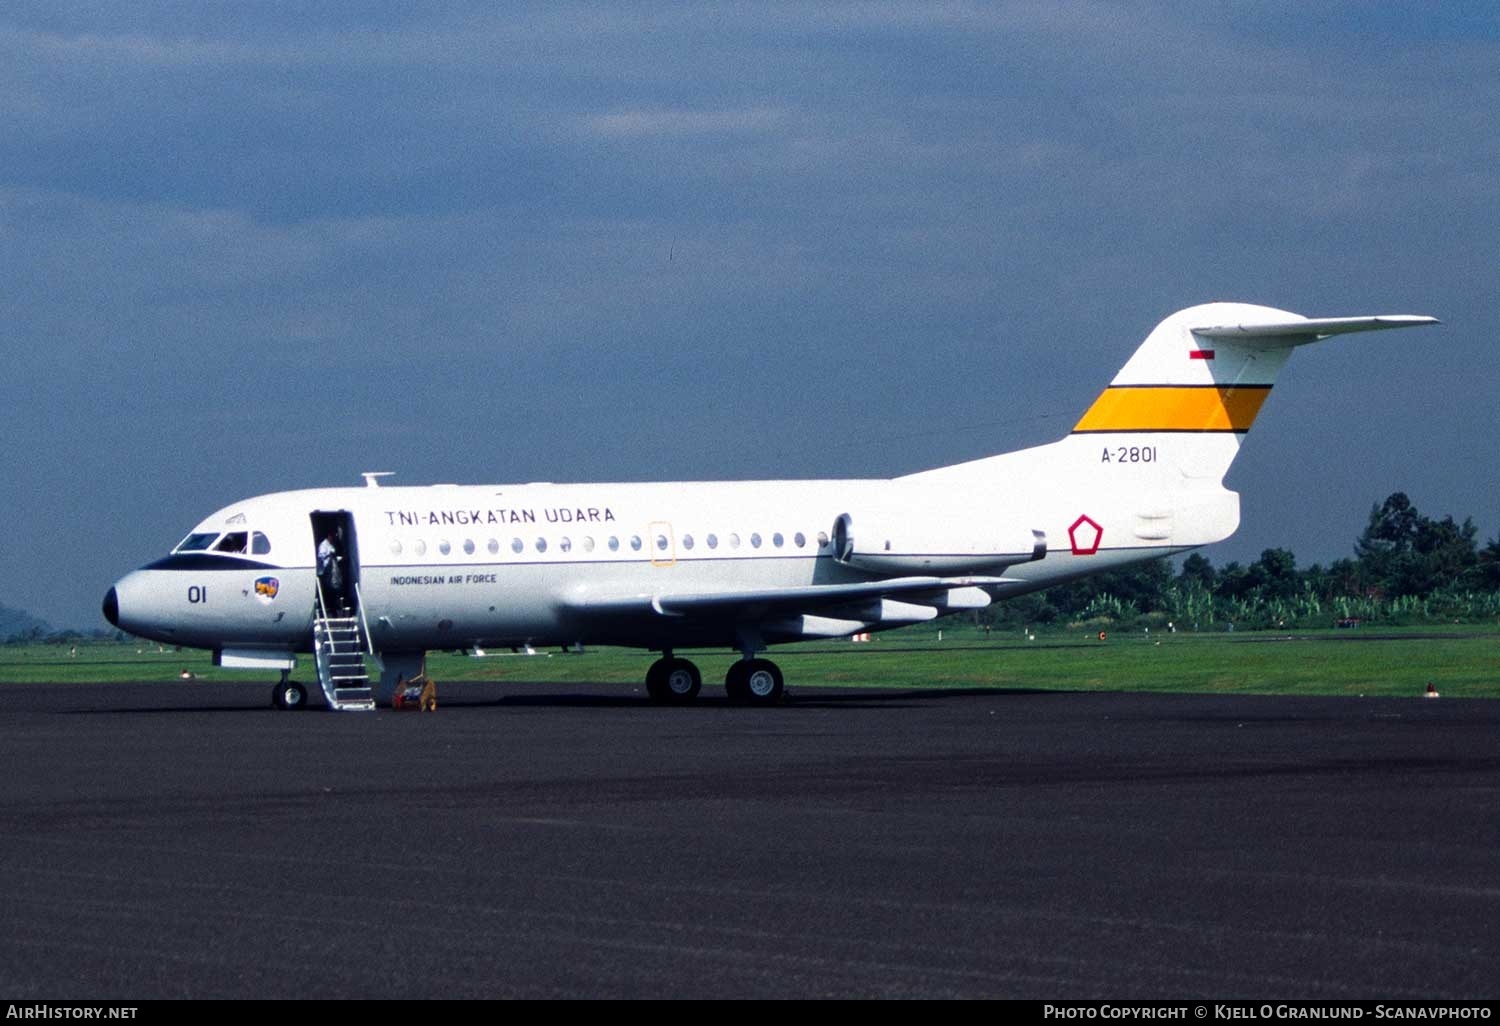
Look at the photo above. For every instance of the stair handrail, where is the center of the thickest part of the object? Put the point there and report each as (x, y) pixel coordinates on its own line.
(364, 624)
(320, 611)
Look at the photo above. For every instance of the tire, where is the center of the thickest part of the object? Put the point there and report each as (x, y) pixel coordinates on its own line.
(673, 681)
(754, 682)
(763, 682)
(289, 696)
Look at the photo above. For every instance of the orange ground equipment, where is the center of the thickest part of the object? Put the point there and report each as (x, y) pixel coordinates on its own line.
(418, 694)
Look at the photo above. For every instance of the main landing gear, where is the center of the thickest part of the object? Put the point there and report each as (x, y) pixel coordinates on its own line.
(754, 682)
(673, 681)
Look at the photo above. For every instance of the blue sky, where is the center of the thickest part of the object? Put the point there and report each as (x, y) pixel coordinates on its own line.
(255, 246)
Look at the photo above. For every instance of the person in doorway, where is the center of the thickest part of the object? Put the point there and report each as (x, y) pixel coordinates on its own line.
(330, 572)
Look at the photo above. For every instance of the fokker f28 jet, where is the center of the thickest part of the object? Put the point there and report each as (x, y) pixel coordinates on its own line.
(738, 564)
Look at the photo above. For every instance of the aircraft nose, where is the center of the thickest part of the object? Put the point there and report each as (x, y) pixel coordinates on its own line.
(139, 605)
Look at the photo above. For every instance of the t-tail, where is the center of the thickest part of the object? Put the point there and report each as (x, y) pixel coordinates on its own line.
(1141, 472)
(1198, 381)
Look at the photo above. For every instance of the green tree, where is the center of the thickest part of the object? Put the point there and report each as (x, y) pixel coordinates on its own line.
(1197, 569)
(1487, 568)
(1274, 575)
(1233, 582)
(1141, 585)
(1338, 579)
(1402, 552)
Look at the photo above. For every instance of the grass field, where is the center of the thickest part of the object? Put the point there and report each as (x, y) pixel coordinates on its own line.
(1461, 661)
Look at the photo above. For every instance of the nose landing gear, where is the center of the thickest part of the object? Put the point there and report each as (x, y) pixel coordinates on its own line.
(288, 694)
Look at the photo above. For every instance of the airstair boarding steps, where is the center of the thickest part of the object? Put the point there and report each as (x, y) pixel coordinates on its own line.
(339, 650)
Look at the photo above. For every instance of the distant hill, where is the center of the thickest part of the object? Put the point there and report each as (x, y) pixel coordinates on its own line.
(17, 622)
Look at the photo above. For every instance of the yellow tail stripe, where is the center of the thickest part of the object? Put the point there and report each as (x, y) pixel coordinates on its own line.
(1157, 408)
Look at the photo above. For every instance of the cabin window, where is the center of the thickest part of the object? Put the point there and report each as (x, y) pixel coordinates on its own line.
(713, 541)
(565, 544)
(588, 543)
(395, 546)
(517, 545)
(822, 539)
(196, 542)
(260, 545)
(468, 546)
(233, 542)
(420, 547)
(777, 540)
(661, 543)
(755, 539)
(800, 539)
(444, 547)
(734, 540)
(635, 542)
(541, 544)
(494, 546)
(614, 544)
(687, 541)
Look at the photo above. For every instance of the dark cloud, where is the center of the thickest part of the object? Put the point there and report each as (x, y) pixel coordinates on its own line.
(574, 242)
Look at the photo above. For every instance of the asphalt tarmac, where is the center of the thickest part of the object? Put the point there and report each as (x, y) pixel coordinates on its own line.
(536, 841)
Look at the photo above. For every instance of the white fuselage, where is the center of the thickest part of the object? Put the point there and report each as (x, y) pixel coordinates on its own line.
(455, 566)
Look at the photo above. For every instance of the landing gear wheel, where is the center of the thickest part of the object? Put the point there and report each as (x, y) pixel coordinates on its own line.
(673, 681)
(763, 682)
(289, 695)
(754, 682)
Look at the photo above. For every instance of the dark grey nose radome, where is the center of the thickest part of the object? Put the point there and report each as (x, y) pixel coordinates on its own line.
(112, 607)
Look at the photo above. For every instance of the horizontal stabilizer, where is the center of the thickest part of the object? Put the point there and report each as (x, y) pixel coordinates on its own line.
(1310, 329)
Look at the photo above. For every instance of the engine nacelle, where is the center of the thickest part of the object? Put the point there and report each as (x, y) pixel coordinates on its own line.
(883, 543)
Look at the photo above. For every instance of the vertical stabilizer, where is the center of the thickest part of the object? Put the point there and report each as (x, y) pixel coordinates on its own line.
(1196, 384)
(1147, 459)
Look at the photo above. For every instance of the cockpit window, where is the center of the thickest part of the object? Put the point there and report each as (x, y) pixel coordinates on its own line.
(234, 541)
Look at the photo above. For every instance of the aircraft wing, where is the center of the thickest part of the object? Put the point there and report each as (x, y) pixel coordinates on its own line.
(811, 610)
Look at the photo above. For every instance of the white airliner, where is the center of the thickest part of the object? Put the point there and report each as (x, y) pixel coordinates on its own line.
(739, 564)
